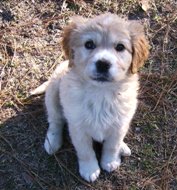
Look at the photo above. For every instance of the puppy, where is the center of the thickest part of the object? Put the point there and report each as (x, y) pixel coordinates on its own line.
(96, 90)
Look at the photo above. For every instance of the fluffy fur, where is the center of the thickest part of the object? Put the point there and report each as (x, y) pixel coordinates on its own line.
(97, 95)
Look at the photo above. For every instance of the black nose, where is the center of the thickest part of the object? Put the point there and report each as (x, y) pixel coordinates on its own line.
(102, 66)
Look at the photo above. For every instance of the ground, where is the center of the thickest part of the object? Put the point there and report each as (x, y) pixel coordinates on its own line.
(29, 51)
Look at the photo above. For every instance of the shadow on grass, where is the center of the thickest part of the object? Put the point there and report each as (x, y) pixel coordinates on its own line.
(24, 162)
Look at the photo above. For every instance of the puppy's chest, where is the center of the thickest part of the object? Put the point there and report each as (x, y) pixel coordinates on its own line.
(101, 110)
(96, 109)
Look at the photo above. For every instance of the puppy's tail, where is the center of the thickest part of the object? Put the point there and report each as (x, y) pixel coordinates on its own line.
(40, 89)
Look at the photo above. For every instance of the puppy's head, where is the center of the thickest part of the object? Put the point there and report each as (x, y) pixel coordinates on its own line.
(106, 48)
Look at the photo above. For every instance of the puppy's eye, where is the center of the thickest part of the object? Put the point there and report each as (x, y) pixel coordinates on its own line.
(120, 47)
(90, 45)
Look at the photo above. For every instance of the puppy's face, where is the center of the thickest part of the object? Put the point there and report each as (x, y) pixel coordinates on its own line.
(106, 48)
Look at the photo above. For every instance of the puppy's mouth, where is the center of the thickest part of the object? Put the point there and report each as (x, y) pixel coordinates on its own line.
(101, 78)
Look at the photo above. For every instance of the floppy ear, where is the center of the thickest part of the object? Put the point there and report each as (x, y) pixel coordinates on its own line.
(67, 35)
(66, 39)
(140, 46)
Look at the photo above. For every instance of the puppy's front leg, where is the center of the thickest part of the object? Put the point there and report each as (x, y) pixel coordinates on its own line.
(113, 148)
(88, 164)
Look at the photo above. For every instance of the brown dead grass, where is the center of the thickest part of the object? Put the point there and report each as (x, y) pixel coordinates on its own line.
(29, 51)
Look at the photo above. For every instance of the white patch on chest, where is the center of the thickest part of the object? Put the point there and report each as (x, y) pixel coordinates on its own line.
(97, 110)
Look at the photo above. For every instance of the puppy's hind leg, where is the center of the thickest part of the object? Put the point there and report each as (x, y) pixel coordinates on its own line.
(53, 140)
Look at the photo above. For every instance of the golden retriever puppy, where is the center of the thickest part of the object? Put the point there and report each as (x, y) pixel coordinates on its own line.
(95, 92)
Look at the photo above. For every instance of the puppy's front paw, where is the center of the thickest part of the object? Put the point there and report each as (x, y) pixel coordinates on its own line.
(125, 150)
(89, 170)
(53, 142)
(110, 165)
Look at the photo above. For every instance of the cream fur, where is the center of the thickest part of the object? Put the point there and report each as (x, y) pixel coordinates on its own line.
(94, 110)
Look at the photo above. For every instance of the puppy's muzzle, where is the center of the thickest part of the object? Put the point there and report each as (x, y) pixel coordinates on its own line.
(102, 70)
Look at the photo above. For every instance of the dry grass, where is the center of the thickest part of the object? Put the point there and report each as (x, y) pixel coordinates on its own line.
(29, 51)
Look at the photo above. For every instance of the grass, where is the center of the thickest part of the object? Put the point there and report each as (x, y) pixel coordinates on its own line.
(29, 51)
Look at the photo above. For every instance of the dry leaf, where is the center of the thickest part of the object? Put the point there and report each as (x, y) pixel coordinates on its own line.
(145, 5)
